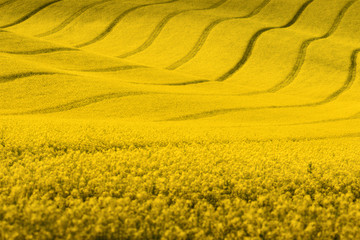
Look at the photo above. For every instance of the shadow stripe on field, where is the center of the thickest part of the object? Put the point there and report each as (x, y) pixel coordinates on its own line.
(70, 19)
(13, 77)
(175, 84)
(40, 51)
(346, 85)
(29, 15)
(116, 21)
(302, 54)
(80, 103)
(352, 117)
(7, 3)
(161, 25)
(251, 44)
(205, 34)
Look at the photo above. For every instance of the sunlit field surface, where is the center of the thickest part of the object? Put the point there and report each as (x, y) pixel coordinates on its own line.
(179, 119)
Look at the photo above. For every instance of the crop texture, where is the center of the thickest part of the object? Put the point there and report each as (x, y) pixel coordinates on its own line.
(179, 119)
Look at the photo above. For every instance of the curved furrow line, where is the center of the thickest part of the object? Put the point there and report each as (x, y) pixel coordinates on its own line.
(303, 50)
(320, 121)
(205, 114)
(52, 50)
(347, 84)
(40, 51)
(347, 135)
(29, 15)
(184, 83)
(67, 21)
(174, 84)
(15, 76)
(161, 26)
(349, 81)
(357, 115)
(341, 136)
(80, 103)
(6, 3)
(116, 21)
(255, 37)
(205, 34)
(114, 69)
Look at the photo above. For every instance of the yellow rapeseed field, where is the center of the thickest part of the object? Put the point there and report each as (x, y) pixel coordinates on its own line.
(179, 119)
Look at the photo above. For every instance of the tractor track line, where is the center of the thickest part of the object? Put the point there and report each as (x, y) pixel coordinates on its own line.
(29, 15)
(40, 51)
(15, 76)
(347, 84)
(320, 121)
(205, 34)
(7, 3)
(80, 103)
(161, 25)
(114, 69)
(347, 135)
(70, 19)
(349, 81)
(116, 21)
(303, 50)
(302, 55)
(255, 37)
(174, 84)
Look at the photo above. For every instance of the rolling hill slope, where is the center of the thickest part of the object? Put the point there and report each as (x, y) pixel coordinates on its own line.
(260, 74)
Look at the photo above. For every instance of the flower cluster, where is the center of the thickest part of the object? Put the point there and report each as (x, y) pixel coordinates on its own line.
(116, 183)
